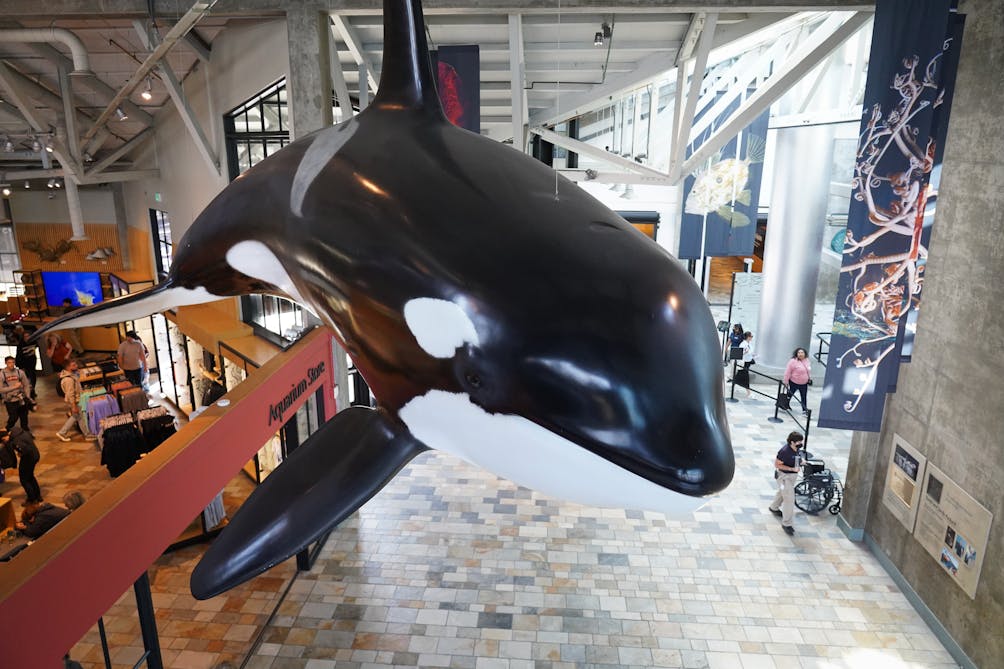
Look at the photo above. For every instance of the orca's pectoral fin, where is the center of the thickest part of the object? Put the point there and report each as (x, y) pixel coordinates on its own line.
(337, 470)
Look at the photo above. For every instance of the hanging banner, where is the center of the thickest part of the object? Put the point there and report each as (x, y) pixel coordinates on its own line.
(885, 252)
(458, 80)
(720, 200)
(941, 114)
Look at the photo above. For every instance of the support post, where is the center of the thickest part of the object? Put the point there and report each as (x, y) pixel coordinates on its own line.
(148, 621)
(309, 83)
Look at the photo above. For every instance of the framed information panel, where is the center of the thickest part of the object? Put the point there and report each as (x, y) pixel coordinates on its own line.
(903, 481)
(953, 528)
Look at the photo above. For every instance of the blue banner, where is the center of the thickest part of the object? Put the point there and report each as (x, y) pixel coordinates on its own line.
(720, 200)
(905, 117)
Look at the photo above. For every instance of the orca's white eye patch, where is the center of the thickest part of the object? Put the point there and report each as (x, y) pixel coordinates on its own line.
(440, 326)
(257, 260)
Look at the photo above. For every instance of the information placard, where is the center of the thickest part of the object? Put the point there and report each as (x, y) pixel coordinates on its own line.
(953, 528)
(903, 481)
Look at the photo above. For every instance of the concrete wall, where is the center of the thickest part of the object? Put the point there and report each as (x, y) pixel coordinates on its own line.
(949, 400)
(245, 60)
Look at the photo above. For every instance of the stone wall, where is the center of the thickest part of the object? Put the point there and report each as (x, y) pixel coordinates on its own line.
(950, 398)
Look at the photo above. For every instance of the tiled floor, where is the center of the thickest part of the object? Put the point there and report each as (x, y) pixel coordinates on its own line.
(451, 567)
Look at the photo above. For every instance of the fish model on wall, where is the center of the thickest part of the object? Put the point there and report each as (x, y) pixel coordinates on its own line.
(497, 314)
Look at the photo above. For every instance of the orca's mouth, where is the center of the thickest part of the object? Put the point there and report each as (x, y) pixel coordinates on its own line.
(694, 458)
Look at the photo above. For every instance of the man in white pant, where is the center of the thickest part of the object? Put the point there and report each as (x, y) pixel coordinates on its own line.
(786, 467)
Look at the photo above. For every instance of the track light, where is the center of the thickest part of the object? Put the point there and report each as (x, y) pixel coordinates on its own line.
(27, 185)
(121, 115)
(52, 183)
(48, 148)
(88, 158)
(8, 145)
(36, 146)
(598, 39)
(6, 189)
(147, 94)
(59, 183)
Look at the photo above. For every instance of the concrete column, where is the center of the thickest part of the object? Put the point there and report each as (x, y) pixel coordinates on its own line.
(309, 83)
(858, 482)
(803, 159)
(794, 237)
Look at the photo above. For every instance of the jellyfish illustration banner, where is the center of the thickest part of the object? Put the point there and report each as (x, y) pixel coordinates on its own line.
(720, 200)
(910, 76)
(458, 80)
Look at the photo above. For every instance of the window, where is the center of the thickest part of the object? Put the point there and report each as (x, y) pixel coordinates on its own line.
(255, 130)
(161, 226)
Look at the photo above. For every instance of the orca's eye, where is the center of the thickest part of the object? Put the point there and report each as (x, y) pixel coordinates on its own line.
(472, 379)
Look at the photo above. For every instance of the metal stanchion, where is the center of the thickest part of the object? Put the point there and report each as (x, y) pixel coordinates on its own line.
(775, 418)
(732, 392)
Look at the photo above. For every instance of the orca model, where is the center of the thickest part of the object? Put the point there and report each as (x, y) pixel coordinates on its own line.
(496, 313)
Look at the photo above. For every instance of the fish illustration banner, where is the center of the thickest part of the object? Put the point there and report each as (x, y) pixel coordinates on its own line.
(720, 200)
(905, 117)
(458, 81)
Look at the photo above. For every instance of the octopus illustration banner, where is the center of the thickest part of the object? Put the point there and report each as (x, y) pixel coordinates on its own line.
(896, 175)
(720, 200)
(458, 80)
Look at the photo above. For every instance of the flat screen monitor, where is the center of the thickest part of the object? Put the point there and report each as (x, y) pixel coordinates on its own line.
(83, 288)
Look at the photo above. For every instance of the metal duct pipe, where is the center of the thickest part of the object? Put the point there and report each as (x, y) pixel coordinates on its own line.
(81, 65)
(73, 204)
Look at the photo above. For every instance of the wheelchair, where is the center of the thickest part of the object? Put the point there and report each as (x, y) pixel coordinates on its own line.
(819, 488)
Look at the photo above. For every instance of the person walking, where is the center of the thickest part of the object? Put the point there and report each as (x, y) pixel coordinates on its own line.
(797, 377)
(132, 358)
(735, 339)
(16, 392)
(787, 464)
(748, 359)
(26, 358)
(69, 383)
(28, 456)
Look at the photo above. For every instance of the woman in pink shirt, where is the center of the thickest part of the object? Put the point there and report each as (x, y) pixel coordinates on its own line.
(796, 376)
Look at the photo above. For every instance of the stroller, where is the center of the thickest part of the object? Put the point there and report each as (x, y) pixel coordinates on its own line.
(819, 488)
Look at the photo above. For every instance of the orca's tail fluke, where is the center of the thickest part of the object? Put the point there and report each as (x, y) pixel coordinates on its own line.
(153, 300)
(326, 479)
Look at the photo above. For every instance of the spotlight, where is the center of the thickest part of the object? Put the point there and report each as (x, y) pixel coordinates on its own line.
(120, 115)
(59, 183)
(27, 185)
(48, 148)
(88, 158)
(8, 145)
(147, 94)
(52, 183)
(36, 146)
(6, 190)
(598, 39)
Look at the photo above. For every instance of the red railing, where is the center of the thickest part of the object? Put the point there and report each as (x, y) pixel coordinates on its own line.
(54, 591)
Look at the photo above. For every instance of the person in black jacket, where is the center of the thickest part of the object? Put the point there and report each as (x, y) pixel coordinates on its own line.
(38, 518)
(28, 456)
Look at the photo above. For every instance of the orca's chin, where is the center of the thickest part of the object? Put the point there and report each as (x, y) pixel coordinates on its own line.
(694, 459)
(563, 465)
